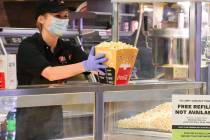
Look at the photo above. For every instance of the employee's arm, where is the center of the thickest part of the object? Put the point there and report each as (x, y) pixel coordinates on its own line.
(62, 72)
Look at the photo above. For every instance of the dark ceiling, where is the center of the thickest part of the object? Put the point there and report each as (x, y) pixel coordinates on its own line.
(20, 13)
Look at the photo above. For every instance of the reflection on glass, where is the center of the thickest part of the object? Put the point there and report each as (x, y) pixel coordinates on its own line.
(60, 116)
(205, 31)
(205, 40)
(147, 116)
(163, 41)
(8, 117)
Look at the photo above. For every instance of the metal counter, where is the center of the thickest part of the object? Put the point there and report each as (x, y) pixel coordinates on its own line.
(76, 87)
(82, 94)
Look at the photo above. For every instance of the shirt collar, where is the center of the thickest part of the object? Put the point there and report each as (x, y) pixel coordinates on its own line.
(58, 47)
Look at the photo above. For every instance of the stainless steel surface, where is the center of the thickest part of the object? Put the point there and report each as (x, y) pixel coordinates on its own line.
(144, 95)
(195, 41)
(143, 133)
(29, 31)
(208, 81)
(117, 137)
(99, 117)
(170, 51)
(133, 137)
(71, 114)
(56, 99)
(170, 46)
(115, 26)
(198, 52)
(19, 32)
(141, 11)
(87, 87)
(109, 13)
(170, 33)
(192, 64)
(78, 138)
(78, 110)
(165, 85)
(143, 81)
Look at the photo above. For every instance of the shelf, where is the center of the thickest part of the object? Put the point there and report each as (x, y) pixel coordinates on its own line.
(170, 33)
(110, 14)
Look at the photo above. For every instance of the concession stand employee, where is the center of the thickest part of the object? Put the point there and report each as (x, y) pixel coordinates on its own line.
(44, 58)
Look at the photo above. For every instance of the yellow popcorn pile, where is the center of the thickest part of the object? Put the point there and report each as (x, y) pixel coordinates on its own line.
(115, 45)
(159, 118)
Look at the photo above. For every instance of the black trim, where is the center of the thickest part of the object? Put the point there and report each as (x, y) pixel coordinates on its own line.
(190, 127)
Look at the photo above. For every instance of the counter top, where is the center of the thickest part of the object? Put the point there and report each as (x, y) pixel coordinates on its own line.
(95, 87)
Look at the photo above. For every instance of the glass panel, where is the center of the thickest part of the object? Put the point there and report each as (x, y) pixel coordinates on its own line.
(163, 41)
(60, 116)
(7, 117)
(137, 115)
(205, 40)
(78, 120)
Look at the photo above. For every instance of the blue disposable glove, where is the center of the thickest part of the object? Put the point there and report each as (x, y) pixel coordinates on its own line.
(94, 63)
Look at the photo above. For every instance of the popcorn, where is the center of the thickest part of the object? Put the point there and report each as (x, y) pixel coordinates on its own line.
(115, 45)
(121, 60)
(159, 118)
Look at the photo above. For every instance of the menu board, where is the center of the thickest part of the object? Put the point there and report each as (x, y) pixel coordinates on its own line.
(191, 117)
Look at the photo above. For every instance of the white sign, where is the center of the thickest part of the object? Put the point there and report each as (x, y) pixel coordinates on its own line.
(191, 117)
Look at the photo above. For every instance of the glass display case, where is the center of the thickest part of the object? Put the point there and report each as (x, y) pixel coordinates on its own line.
(205, 31)
(90, 111)
(205, 43)
(141, 114)
(62, 115)
(168, 35)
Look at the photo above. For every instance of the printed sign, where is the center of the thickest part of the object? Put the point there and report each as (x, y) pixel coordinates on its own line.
(191, 117)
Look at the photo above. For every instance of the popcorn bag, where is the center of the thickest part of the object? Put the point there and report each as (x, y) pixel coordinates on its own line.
(121, 60)
(8, 72)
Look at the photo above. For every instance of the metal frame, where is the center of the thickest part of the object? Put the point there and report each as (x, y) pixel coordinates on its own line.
(56, 99)
(195, 41)
(115, 24)
(76, 87)
(19, 32)
(208, 82)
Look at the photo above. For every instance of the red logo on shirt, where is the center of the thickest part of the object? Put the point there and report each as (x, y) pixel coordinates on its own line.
(62, 60)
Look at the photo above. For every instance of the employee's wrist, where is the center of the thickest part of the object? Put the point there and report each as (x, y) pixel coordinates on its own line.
(85, 66)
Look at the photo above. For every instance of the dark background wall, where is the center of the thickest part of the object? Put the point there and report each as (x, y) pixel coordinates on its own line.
(3, 17)
(100, 5)
(15, 13)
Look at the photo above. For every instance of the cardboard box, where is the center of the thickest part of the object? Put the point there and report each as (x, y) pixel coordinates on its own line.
(176, 72)
(121, 60)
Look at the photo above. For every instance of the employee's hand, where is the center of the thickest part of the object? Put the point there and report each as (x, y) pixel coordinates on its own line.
(94, 63)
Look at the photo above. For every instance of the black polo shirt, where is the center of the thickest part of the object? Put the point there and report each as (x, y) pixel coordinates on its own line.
(34, 55)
